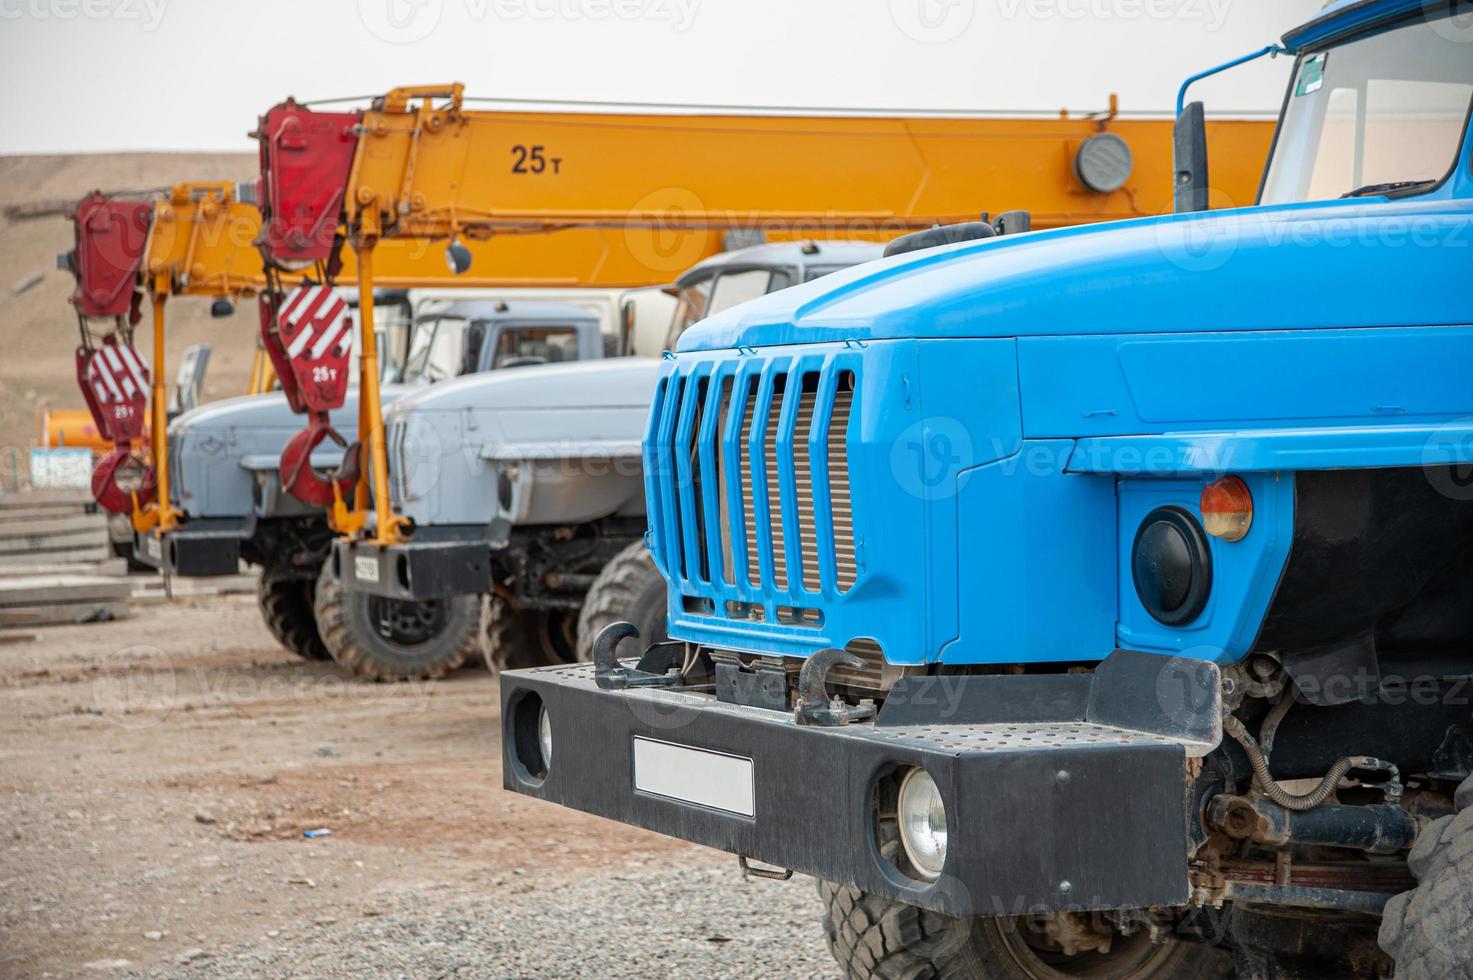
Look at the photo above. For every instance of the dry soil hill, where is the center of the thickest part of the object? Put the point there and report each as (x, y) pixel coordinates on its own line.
(38, 330)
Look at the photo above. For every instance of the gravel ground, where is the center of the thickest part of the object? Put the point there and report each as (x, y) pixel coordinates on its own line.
(699, 921)
(157, 775)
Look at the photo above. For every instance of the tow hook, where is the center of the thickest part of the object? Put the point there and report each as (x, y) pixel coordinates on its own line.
(610, 675)
(815, 707)
(771, 874)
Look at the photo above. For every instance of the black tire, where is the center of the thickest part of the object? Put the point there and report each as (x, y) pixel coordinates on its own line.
(393, 640)
(874, 937)
(630, 590)
(516, 639)
(1429, 931)
(286, 606)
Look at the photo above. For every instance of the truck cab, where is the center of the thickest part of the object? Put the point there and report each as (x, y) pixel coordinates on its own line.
(472, 336)
(1085, 572)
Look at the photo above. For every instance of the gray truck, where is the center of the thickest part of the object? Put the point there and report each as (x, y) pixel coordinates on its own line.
(224, 467)
(530, 489)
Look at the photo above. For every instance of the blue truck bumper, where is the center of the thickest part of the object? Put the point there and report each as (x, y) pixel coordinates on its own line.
(1051, 803)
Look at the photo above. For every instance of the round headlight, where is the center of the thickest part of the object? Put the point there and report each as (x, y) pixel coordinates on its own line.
(544, 738)
(922, 823)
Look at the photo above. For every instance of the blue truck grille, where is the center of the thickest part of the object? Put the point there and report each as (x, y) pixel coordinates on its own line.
(749, 493)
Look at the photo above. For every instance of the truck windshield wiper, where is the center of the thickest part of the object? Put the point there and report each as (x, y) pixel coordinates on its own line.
(1387, 187)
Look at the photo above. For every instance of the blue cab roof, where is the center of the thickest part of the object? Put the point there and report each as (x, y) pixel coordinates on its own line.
(1348, 263)
(1346, 17)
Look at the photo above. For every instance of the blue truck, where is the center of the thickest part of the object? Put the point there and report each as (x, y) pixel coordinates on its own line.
(1088, 602)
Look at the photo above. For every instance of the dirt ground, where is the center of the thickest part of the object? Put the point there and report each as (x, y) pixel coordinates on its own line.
(157, 776)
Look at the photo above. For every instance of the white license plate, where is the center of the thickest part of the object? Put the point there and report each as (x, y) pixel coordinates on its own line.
(710, 779)
(154, 549)
(365, 569)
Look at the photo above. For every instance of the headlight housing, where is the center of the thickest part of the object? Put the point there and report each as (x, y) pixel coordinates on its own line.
(922, 823)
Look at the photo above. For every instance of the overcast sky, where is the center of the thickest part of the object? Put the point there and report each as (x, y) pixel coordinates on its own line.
(82, 75)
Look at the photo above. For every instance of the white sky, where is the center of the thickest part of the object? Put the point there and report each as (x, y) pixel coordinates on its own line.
(81, 75)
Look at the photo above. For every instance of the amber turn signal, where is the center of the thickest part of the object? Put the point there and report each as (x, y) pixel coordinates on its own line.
(1227, 509)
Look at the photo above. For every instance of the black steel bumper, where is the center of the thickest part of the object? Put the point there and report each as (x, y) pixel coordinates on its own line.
(1050, 802)
(204, 548)
(439, 561)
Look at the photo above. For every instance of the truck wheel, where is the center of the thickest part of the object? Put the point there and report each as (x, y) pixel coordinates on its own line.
(1429, 931)
(516, 639)
(629, 589)
(875, 937)
(393, 639)
(286, 606)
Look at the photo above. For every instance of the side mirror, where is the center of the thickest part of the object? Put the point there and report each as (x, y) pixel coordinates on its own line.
(1189, 153)
(627, 313)
(475, 339)
(189, 382)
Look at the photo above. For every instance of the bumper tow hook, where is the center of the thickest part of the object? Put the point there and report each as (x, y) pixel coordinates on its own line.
(772, 874)
(815, 707)
(610, 675)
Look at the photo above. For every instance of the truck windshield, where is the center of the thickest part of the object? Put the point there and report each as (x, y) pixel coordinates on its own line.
(1383, 114)
(690, 306)
(519, 346)
(435, 350)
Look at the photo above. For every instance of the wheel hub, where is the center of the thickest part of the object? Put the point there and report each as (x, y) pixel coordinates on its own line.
(1058, 947)
(405, 622)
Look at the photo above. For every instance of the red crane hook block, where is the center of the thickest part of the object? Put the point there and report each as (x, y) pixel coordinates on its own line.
(301, 480)
(115, 384)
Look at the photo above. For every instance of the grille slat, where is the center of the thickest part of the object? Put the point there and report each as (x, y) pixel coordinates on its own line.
(754, 480)
(749, 512)
(803, 485)
(846, 567)
(773, 472)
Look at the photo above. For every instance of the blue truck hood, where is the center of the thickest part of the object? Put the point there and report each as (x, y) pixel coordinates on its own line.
(1350, 263)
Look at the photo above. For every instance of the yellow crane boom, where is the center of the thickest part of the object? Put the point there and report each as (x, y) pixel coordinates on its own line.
(420, 164)
(202, 239)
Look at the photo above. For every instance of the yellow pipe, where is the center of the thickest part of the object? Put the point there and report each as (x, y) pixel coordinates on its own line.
(389, 524)
(167, 515)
